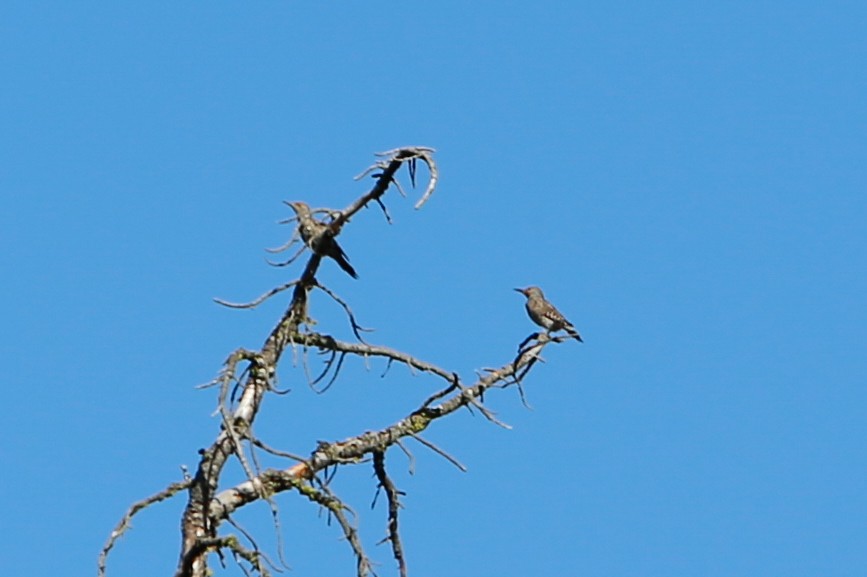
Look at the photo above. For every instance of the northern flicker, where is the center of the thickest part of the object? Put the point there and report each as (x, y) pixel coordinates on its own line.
(545, 314)
(316, 235)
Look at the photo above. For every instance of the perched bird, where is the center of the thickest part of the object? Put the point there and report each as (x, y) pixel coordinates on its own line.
(545, 314)
(316, 235)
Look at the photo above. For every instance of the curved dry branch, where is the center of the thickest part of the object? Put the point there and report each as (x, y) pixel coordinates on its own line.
(290, 260)
(124, 523)
(256, 302)
(329, 343)
(288, 244)
(328, 364)
(392, 161)
(357, 329)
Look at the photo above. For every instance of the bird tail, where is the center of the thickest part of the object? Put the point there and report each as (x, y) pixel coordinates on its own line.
(574, 334)
(343, 261)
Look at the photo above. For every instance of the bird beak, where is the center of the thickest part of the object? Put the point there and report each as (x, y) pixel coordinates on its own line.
(520, 290)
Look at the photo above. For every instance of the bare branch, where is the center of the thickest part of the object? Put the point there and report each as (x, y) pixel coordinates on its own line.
(523, 397)
(216, 544)
(326, 498)
(356, 328)
(439, 394)
(276, 452)
(328, 364)
(393, 508)
(258, 301)
(292, 240)
(384, 209)
(440, 452)
(409, 456)
(256, 553)
(334, 375)
(392, 161)
(290, 260)
(327, 342)
(125, 522)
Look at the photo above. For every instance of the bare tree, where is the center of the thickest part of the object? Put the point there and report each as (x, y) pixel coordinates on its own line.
(248, 378)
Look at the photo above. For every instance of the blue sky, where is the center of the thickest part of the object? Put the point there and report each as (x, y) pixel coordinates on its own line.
(687, 182)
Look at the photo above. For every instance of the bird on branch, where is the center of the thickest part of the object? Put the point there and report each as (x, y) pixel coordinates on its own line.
(318, 236)
(546, 315)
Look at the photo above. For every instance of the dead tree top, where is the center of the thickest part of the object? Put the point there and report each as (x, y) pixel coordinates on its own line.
(248, 377)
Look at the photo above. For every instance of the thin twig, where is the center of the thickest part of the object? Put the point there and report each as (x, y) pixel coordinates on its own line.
(277, 452)
(257, 551)
(290, 260)
(410, 457)
(258, 301)
(296, 237)
(335, 374)
(356, 328)
(328, 364)
(439, 451)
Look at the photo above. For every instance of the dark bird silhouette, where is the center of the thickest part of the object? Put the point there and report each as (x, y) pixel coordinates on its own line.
(317, 236)
(545, 314)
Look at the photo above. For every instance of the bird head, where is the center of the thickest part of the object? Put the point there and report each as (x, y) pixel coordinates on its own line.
(530, 291)
(299, 207)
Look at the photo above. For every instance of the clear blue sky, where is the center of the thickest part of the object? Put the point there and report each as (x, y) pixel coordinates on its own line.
(685, 180)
